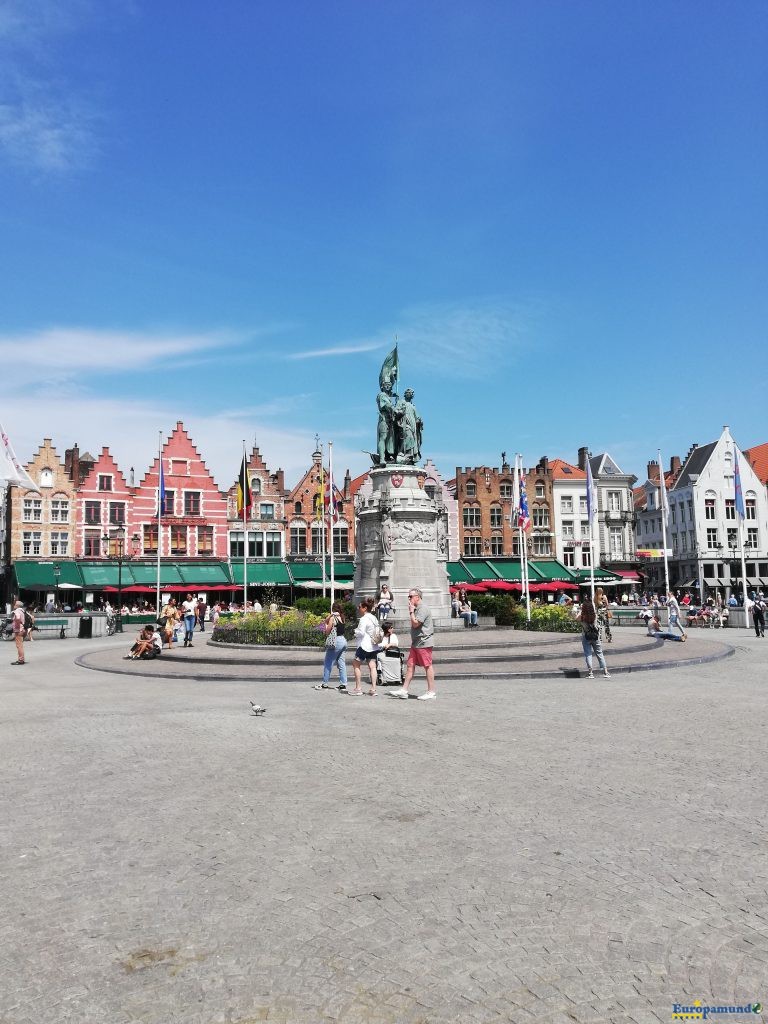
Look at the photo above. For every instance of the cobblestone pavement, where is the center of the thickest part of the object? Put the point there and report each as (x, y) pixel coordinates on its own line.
(537, 850)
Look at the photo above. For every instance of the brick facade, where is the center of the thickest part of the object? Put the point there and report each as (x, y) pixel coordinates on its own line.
(304, 530)
(43, 523)
(267, 524)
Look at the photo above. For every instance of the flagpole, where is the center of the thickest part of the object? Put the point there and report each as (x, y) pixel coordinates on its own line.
(320, 516)
(245, 484)
(331, 507)
(523, 545)
(663, 495)
(591, 514)
(160, 500)
(739, 505)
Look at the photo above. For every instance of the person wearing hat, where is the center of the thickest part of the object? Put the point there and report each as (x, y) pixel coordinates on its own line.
(19, 629)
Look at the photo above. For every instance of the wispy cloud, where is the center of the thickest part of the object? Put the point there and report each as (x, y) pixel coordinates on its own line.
(46, 123)
(453, 340)
(61, 355)
(337, 350)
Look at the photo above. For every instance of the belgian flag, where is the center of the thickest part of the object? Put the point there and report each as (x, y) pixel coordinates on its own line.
(244, 500)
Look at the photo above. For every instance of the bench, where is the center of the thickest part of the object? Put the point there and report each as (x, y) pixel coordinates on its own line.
(49, 625)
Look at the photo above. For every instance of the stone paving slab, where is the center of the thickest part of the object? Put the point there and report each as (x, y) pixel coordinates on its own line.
(550, 853)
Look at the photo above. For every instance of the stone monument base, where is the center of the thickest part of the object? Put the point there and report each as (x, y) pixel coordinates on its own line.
(402, 540)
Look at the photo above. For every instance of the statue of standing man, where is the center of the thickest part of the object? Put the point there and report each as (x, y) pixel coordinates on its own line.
(411, 425)
(386, 400)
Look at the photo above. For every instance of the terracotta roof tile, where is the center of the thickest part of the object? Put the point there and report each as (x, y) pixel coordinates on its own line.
(758, 460)
(562, 470)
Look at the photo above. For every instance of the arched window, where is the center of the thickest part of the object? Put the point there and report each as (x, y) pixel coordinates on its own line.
(470, 489)
(46, 478)
(255, 485)
(297, 508)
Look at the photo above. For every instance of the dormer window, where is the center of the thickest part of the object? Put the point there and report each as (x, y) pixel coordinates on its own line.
(105, 482)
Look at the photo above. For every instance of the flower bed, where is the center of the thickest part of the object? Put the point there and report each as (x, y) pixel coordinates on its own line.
(292, 628)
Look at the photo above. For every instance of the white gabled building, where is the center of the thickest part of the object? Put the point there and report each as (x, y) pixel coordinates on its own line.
(702, 524)
(569, 512)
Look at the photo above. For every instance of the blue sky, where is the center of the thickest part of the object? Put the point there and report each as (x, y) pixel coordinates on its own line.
(224, 213)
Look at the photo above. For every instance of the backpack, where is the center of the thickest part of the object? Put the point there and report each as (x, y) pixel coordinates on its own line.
(377, 635)
(28, 620)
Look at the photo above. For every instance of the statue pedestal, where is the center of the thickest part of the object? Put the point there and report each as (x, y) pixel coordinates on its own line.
(402, 540)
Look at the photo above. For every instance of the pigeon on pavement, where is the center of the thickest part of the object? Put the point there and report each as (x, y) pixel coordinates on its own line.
(257, 709)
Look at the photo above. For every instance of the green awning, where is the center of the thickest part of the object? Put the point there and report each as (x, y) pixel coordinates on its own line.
(261, 573)
(40, 576)
(507, 569)
(145, 574)
(478, 569)
(105, 574)
(552, 570)
(210, 573)
(457, 573)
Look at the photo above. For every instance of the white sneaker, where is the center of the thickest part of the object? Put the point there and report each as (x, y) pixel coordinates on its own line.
(606, 675)
(590, 675)
(429, 695)
(403, 695)
(396, 691)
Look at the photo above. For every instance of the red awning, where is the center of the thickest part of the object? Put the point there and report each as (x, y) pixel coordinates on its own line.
(628, 575)
(502, 585)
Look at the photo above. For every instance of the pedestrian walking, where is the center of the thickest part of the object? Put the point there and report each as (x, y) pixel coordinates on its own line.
(368, 636)
(189, 611)
(674, 613)
(200, 612)
(335, 648)
(169, 617)
(19, 629)
(590, 638)
(422, 634)
(758, 615)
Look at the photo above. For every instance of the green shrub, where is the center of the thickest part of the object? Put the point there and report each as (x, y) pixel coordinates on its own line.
(294, 627)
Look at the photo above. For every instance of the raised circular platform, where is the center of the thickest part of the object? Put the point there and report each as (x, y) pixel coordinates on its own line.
(498, 655)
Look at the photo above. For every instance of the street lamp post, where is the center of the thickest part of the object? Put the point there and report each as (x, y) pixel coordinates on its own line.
(120, 557)
(56, 575)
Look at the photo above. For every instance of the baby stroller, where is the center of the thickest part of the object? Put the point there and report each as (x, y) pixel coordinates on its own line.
(391, 667)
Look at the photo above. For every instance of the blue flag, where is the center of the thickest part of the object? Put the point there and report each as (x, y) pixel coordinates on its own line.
(738, 495)
(161, 492)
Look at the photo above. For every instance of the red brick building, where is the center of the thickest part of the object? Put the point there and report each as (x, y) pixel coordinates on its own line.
(267, 522)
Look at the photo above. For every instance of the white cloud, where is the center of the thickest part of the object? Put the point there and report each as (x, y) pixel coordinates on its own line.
(455, 340)
(337, 350)
(60, 355)
(46, 134)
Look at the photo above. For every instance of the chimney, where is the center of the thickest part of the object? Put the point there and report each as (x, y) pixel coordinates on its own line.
(543, 464)
(131, 478)
(72, 463)
(653, 470)
(674, 465)
(583, 456)
(347, 485)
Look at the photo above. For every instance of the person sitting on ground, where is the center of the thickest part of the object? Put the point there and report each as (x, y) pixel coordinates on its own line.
(655, 630)
(469, 616)
(144, 643)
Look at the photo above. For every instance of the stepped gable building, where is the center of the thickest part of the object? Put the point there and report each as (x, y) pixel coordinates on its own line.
(42, 522)
(304, 529)
(484, 499)
(194, 521)
(445, 492)
(267, 522)
(104, 504)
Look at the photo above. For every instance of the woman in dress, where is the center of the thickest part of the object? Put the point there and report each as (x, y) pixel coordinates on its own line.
(590, 638)
(335, 647)
(171, 615)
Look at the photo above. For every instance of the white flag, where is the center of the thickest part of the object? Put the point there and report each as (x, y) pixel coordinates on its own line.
(14, 472)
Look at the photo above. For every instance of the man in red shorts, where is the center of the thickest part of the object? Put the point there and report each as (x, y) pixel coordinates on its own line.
(422, 631)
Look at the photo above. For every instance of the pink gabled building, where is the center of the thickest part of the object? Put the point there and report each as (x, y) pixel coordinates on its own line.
(194, 520)
(104, 503)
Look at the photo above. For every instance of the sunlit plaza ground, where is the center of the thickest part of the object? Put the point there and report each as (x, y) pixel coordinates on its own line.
(521, 849)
